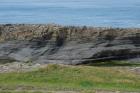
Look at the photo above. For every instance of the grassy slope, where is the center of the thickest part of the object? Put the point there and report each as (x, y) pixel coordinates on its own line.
(56, 77)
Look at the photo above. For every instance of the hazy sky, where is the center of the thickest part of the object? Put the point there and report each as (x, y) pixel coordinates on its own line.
(75, 3)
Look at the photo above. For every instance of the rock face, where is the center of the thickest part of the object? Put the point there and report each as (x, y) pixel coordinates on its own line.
(67, 44)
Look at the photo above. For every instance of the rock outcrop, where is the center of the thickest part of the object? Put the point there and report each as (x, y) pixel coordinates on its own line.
(67, 44)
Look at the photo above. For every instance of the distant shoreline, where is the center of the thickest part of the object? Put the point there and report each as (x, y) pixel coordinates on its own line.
(53, 24)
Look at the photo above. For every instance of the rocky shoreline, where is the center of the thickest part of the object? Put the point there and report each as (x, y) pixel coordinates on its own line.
(67, 44)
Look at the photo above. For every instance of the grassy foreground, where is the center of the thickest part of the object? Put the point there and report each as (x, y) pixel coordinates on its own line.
(71, 78)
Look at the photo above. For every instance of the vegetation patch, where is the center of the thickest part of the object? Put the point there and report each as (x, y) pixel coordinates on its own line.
(113, 63)
(4, 61)
(72, 78)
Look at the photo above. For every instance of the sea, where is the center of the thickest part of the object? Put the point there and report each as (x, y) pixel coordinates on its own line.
(98, 13)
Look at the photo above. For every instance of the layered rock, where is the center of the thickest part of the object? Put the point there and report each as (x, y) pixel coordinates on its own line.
(67, 44)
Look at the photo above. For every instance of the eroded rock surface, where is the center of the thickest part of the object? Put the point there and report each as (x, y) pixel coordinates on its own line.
(67, 44)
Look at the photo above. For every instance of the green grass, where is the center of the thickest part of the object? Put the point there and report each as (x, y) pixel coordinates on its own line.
(114, 63)
(72, 78)
(21, 92)
(4, 61)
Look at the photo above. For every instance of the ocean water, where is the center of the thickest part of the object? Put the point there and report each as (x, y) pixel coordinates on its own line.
(114, 13)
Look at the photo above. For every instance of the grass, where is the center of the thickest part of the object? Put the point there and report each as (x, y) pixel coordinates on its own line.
(21, 92)
(72, 78)
(114, 63)
(4, 61)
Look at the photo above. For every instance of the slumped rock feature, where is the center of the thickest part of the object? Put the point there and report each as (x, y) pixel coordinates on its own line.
(67, 44)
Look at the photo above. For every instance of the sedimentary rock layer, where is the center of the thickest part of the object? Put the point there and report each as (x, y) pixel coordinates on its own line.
(67, 44)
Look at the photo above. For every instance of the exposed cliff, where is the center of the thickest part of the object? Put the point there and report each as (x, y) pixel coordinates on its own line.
(67, 44)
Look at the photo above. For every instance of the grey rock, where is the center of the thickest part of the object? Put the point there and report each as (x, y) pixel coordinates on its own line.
(67, 44)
